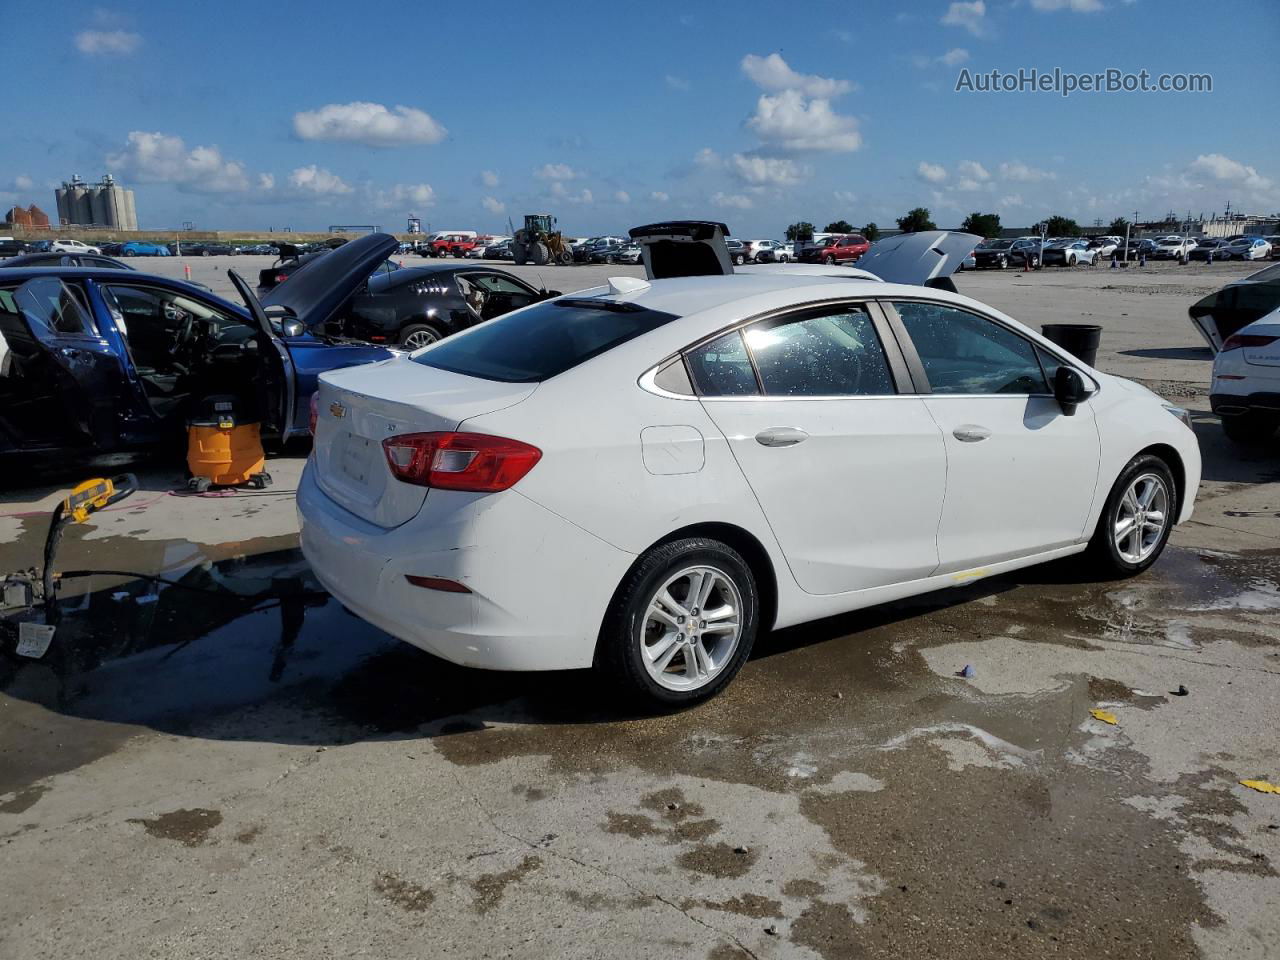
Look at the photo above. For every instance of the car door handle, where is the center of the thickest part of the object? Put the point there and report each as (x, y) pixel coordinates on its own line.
(781, 437)
(970, 433)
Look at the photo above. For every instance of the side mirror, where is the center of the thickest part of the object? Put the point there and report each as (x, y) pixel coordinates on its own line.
(1069, 388)
(551, 293)
(292, 327)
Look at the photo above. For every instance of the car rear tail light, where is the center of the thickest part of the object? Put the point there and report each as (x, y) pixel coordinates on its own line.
(315, 411)
(281, 277)
(475, 462)
(1238, 341)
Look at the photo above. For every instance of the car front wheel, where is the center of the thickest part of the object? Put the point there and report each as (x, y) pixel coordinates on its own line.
(1137, 518)
(682, 624)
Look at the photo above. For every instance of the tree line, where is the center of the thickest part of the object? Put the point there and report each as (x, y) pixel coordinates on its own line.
(979, 224)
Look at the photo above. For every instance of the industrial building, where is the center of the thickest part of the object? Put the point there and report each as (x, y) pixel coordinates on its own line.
(102, 204)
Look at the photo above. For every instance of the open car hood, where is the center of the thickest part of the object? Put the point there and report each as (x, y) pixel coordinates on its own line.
(315, 291)
(683, 248)
(926, 259)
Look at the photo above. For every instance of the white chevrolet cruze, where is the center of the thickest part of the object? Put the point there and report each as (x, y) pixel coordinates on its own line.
(642, 477)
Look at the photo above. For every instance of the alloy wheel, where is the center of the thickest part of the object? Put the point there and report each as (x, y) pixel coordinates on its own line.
(419, 339)
(1141, 518)
(691, 628)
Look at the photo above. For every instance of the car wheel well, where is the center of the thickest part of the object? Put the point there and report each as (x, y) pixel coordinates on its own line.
(752, 551)
(1174, 461)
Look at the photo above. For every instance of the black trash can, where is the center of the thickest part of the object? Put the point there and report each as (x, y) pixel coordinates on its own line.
(1079, 339)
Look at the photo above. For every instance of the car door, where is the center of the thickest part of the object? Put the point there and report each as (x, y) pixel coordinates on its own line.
(1021, 473)
(64, 383)
(848, 468)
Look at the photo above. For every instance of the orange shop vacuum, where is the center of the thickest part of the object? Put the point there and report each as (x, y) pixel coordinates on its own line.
(221, 450)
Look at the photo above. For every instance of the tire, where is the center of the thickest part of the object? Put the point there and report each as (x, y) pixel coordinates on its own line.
(205, 253)
(539, 253)
(1142, 550)
(130, 253)
(1071, 261)
(830, 261)
(566, 258)
(629, 630)
(784, 259)
(415, 336)
(1249, 429)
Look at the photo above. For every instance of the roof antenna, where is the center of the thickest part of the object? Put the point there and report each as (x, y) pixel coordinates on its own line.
(541, 282)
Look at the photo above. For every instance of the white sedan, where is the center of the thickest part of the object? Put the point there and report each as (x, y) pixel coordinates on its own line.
(644, 477)
(1241, 324)
(72, 246)
(1246, 248)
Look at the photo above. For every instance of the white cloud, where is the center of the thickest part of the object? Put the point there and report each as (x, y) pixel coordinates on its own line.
(1019, 172)
(107, 43)
(369, 123)
(773, 74)
(561, 192)
(23, 182)
(971, 16)
(846, 197)
(1215, 166)
(774, 171)
(489, 178)
(555, 171)
(318, 181)
(735, 201)
(931, 172)
(659, 196)
(493, 205)
(1012, 200)
(706, 157)
(1075, 6)
(789, 122)
(622, 196)
(954, 57)
(676, 83)
(973, 170)
(266, 182)
(150, 157)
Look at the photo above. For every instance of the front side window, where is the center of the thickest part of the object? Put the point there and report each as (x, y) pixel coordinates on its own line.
(835, 355)
(495, 283)
(964, 353)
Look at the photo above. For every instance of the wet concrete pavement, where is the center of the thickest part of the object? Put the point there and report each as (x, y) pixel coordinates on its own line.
(236, 766)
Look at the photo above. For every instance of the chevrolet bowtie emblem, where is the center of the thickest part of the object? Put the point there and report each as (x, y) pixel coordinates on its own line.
(337, 409)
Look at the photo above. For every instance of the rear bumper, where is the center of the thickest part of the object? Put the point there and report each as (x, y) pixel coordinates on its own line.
(1235, 405)
(540, 586)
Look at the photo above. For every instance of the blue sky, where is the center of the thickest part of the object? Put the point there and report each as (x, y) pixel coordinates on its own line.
(609, 115)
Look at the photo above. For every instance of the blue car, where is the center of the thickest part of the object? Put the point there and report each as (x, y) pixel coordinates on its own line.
(97, 360)
(143, 248)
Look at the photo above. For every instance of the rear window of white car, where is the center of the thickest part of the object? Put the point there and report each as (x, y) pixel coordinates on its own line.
(543, 340)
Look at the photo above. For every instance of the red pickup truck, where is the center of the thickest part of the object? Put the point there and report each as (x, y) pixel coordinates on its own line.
(837, 249)
(452, 244)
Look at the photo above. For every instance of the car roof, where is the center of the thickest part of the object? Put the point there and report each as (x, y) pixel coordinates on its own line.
(685, 296)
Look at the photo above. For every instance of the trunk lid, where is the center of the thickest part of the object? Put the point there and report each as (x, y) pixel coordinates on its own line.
(1235, 306)
(684, 248)
(925, 259)
(359, 407)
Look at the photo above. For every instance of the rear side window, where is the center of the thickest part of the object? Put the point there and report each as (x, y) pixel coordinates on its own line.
(835, 355)
(722, 368)
(51, 304)
(542, 341)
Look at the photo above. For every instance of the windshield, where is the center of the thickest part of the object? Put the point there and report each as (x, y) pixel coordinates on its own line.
(1000, 245)
(542, 341)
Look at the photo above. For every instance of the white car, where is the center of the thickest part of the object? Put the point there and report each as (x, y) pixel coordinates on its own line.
(477, 252)
(643, 477)
(1246, 248)
(1241, 324)
(1173, 248)
(72, 246)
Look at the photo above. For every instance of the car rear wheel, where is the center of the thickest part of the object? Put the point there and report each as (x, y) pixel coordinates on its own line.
(1071, 261)
(418, 335)
(682, 624)
(830, 261)
(1249, 429)
(1137, 518)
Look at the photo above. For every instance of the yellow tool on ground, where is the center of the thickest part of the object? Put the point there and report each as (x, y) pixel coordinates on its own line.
(90, 496)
